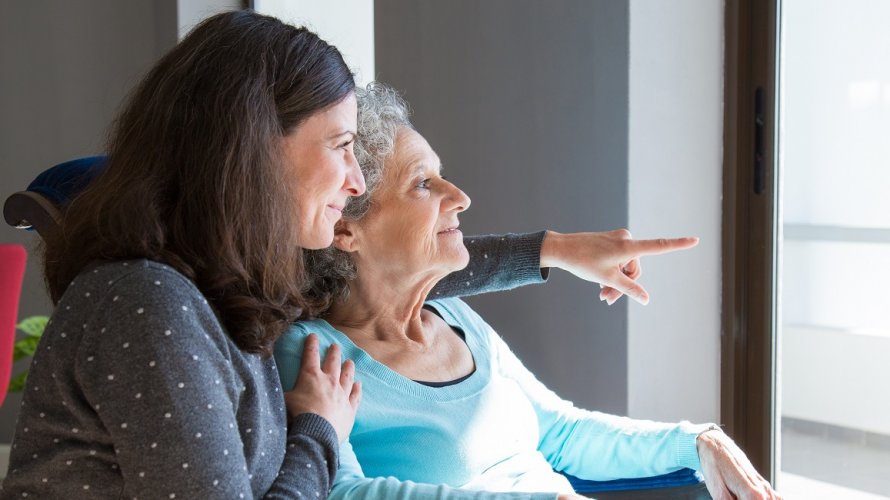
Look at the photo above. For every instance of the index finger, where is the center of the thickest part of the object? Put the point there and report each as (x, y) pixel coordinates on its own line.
(662, 245)
(311, 356)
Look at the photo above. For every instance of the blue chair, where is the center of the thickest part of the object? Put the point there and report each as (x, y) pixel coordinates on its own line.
(39, 208)
(685, 484)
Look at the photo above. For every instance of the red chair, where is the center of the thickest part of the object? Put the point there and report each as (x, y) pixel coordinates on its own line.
(12, 270)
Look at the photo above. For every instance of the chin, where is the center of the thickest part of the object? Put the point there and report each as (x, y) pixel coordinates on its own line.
(462, 260)
(317, 241)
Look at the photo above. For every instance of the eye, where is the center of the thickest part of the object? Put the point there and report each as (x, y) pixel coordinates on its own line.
(346, 144)
(424, 184)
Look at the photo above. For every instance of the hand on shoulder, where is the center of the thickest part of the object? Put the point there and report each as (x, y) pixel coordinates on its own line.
(326, 388)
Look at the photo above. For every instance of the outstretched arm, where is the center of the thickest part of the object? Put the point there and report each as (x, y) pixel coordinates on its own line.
(610, 258)
(505, 261)
(497, 262)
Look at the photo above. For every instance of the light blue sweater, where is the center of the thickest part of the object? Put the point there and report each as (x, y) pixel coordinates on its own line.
(499, 430)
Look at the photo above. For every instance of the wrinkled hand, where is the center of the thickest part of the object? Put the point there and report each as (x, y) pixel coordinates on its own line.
(327, 389)
(610, 258)
(728, 472)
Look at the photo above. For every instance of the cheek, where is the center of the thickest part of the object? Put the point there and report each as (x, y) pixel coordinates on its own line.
(317, 174)
(331, 170)
(398, 225)
(313, 191)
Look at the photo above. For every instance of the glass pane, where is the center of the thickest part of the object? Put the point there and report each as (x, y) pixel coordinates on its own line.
(835, 108)
(834, 329)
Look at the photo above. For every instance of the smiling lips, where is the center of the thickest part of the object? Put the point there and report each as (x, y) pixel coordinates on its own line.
(450, 230)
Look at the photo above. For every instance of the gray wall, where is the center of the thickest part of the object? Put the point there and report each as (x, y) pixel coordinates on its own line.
(526, 102)
(64, 69)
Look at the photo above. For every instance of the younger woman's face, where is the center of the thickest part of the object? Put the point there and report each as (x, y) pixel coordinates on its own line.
(324, 170)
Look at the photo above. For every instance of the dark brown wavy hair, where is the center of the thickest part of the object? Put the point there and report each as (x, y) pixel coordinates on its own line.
(195, 175)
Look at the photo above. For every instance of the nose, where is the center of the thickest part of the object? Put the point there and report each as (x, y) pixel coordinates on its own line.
(354, 183)
(459, 200)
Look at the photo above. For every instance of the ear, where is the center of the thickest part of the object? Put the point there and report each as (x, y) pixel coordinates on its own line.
(345, 237)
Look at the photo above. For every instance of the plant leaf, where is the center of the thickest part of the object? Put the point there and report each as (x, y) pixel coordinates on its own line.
(25, 347)
(33, 326)
(17, 384)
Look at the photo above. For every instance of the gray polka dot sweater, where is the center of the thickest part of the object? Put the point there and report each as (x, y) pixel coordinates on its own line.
(137, 392)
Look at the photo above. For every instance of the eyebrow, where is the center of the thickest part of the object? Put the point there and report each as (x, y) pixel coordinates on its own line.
(421, 166)
(341, 134)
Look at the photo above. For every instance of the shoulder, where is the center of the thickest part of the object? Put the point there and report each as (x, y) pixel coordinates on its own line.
(144, 300)
(457, 312)
(288, 350)
(143, 277)
(127, 281)
(150, 292)
(291, 341)
(453, 306)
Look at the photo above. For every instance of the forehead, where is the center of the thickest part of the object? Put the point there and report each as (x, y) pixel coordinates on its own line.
(411, 152)
(337, 118)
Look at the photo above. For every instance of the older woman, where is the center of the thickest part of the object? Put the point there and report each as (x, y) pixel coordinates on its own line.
(448, 409)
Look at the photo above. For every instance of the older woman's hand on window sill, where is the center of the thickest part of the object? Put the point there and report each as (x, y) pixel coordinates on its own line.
(610, 258)
(728, 472)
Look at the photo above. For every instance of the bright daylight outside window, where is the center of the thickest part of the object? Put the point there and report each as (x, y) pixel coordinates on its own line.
(834, 150)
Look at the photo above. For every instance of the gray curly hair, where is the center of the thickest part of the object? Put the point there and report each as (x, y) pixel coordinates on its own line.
(381, 113)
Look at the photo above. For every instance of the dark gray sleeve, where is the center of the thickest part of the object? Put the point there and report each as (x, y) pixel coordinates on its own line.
(311, 440)
(497, 262)
(156, 366)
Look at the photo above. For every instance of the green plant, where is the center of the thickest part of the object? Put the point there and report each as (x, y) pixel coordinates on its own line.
(33, 328)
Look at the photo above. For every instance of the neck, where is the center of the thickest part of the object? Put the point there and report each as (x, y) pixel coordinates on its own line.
(385, 307)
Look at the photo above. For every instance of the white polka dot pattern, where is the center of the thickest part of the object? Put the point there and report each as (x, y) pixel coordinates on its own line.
(151, 382)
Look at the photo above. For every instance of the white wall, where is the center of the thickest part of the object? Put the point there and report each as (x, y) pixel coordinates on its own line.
(348, 25)
(675, 185)
(191, 12)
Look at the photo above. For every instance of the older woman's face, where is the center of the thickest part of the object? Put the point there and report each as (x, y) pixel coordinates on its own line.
(325, 172)
(413, 223)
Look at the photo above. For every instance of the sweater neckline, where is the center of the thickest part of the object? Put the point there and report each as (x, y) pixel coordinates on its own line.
(365, 364)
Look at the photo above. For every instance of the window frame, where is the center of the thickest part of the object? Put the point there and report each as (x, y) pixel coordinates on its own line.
(749, 239)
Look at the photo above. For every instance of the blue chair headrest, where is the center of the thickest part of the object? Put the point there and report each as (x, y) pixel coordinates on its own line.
(64, 181)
